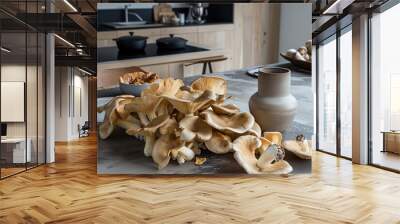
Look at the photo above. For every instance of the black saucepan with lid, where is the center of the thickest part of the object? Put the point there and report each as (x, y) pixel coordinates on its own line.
(171, 43)
(131, 43)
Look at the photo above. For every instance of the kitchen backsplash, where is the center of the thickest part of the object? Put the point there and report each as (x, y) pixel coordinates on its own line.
(217, 13)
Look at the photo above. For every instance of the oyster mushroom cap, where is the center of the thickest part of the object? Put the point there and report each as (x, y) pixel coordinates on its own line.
(169, 127)
(193, 127)
(149, 132)
(105, 129)
(156, 123)
(255, 130)
(226, 109)
(189, 103)
(130, 123)
(302, 50)
(274, 137)
(211, 83)
(244, 148)
(269, 163)
(111, 103)
(120, 106)
(146, 103)
(301, 149)
(151, 101)
(163, 146)
(219, 143)
(235, 124)
(110, 119)
(165, 87)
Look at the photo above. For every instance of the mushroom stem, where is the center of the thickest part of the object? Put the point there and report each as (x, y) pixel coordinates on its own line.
(143, 118)
(182, 154)
(267, 157)
(148, 147)
(151, 115)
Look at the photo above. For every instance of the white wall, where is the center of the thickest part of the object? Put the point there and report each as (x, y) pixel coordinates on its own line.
(15, 73)
(71, 87)
(295, 26)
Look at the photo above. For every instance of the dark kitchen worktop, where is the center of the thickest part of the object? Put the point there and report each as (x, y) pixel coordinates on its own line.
(123, 154)
(105, 28)
(107, 54)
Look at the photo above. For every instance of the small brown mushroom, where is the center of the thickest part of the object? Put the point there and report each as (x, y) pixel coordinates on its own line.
(195, 146)
(182, 154)
(300, 147)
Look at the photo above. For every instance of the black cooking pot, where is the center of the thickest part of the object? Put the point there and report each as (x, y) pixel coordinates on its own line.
(171, 43)
(131, 43)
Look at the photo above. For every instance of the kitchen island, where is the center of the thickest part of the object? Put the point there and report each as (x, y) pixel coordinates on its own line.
(123, 154)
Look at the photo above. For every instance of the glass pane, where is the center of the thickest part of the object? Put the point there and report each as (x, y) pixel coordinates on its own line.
(41, 98)
(327, 96)
(13, 86)
(31, 98)
(385, 84)
(346, 94)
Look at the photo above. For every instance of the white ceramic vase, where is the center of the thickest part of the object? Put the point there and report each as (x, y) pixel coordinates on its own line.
(273, 106)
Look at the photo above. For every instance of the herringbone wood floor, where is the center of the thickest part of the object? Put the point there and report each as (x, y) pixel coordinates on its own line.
(70, 191)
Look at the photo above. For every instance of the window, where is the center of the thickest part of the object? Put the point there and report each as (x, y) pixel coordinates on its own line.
(22, 101)
(327, 96)
(385, 89)
(334, 63)
(346, 92)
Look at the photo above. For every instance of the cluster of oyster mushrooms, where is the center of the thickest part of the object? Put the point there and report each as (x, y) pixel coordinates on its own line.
(178, 121)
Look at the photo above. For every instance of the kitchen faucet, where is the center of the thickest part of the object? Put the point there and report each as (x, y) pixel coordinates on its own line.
(127, 13)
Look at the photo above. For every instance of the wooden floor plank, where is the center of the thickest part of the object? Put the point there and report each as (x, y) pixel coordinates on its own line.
(70, 191)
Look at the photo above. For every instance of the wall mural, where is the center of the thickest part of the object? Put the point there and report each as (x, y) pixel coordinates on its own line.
(176, 96)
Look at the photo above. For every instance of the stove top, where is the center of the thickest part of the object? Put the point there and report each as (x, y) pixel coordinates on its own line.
(106, 54)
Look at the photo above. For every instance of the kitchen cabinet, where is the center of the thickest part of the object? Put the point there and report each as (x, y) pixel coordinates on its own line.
(105, 39)
(162, 69)
(174, 70)
(257, 26)
(210, 36)
(251, 40)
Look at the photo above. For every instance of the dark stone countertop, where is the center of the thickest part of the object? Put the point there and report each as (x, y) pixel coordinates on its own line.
(124, 154)
(108, 54)
(105, 28)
